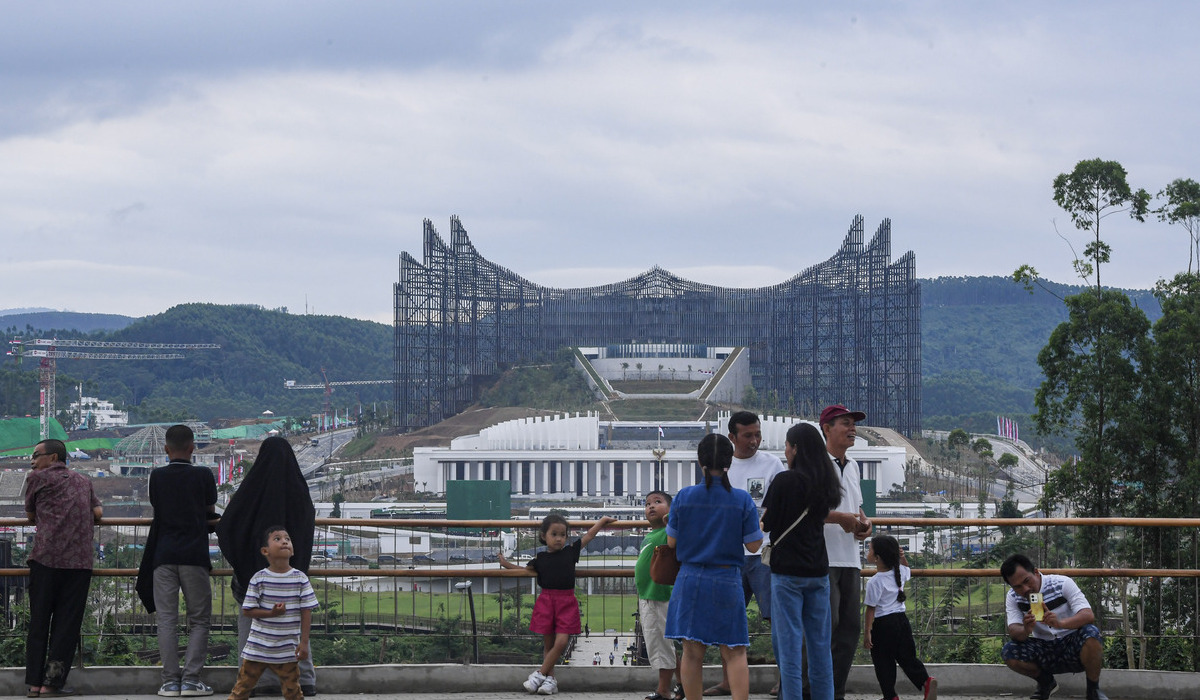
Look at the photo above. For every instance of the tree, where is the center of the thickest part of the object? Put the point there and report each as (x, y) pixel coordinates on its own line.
(1093, 389)
(982, 447)
(1168, 469)
(337, 499)
(1008, 460)
(958, 439)
(1093, 191)
(1183, 207)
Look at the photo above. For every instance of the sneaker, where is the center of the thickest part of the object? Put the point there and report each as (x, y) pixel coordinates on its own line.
(931, 688)
(548, 686)
(1098, 695)
(534, 681)
(169, 690)
(194, 689)
(310, 691)
(1045, 690)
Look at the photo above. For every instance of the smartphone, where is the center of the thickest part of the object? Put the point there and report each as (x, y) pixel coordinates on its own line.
(1036, 607)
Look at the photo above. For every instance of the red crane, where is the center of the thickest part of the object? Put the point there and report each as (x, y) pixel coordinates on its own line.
(48, 350)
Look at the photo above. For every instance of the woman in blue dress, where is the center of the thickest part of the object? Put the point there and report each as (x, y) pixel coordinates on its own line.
(708, 525)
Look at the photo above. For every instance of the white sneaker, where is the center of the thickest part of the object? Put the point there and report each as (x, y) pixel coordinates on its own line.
(534, 681)
(548, 687)
(194, 689)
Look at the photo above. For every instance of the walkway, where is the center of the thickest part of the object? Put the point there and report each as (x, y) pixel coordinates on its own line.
(465, 682)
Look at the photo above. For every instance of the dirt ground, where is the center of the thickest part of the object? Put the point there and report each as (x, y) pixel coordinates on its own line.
(468, 422)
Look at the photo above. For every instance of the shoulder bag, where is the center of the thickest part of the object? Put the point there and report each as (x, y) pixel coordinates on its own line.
(765, 554)
(664, 565)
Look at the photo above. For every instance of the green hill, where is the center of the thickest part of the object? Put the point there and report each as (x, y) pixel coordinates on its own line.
(980, 337)
(260, 349)
(980, 340)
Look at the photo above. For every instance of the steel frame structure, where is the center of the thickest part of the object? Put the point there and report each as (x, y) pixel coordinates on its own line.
(847, 330)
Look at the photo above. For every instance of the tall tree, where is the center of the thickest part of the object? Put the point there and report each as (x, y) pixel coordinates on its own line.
(1092, 388)
(1093, 191)
(1169, 470)
(1182, 206)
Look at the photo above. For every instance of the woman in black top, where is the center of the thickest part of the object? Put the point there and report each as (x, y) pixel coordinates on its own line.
(797, 505)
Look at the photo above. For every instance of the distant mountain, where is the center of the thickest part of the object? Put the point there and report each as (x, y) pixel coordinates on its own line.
(980, 337)
(48, 321)
(980, 340)
(260, 349)
(24, 310)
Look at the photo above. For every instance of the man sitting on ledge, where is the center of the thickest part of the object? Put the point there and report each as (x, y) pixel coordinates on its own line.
(1064, 640)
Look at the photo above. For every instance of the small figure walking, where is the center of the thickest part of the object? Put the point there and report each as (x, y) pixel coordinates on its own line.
(556, 611)
(886, 631)
(616, 641)
(587, 631)
(611, 659)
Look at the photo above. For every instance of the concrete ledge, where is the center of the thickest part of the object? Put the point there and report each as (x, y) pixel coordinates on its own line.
(957, 679)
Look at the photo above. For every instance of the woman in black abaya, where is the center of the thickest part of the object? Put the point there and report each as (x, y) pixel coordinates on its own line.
(273, 493)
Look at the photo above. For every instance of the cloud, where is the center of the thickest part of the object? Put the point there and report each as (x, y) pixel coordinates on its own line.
(274, 155)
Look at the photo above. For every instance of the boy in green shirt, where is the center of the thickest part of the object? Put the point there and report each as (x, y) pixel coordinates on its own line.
(653, 598)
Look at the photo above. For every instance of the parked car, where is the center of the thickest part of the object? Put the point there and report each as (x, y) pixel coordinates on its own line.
(387, 559)
(460, 558)
(319, 558)
(424, 559)
(356, 559)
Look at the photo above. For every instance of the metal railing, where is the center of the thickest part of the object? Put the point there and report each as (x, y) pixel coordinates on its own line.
(1150, 613)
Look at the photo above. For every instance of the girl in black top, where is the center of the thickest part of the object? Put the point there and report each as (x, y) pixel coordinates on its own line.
(556, 611)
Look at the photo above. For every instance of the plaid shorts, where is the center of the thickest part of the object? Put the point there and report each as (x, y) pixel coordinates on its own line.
(1052, 656)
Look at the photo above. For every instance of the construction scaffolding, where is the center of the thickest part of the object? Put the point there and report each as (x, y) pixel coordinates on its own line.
(847, 330)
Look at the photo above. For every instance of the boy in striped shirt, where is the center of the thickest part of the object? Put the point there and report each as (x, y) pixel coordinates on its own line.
(280, 600)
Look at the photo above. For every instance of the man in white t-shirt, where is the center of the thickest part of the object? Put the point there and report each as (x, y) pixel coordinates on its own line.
(1065, 640)
(751, 471)
(842, 545)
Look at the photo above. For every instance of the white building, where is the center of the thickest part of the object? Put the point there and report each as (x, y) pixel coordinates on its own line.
(580, 456)
(97, 414)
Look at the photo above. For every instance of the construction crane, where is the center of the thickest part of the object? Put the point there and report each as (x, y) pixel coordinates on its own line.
(48, 350)
(328, 386)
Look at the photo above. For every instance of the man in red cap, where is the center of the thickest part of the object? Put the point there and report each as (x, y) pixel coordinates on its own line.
(845, 564)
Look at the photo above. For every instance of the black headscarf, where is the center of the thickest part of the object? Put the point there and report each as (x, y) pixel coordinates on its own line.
(273, 493)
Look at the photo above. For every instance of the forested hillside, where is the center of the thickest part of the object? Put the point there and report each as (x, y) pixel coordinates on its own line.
(980, 340)
(260, 349)
(57, 323)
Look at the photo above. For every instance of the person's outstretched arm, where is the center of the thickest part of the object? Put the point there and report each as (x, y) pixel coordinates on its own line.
(596, 528)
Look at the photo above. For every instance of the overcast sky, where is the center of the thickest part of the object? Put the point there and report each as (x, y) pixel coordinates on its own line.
(271, 153)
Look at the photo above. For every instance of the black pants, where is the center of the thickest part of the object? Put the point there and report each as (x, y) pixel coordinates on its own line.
(891, 644)
(57, 598)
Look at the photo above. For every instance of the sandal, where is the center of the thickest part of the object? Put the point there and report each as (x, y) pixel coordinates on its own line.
(34, 692)
(717, 690)
(677, 692)
(655, 696)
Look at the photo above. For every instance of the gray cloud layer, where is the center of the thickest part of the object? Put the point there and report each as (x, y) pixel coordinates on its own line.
(153, 154)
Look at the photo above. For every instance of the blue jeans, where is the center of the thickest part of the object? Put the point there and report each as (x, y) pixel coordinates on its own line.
(756, 581)
(800, 611)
